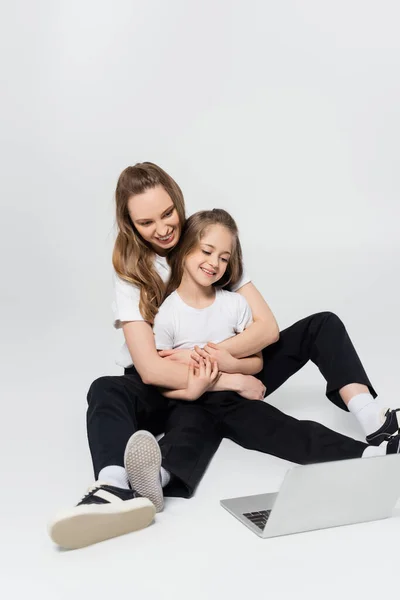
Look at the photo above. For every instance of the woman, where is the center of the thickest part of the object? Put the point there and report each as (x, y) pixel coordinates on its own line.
(150, 218)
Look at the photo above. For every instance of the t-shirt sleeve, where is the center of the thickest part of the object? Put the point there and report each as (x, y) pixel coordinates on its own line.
(126, 302)
(242, 281)
(163, 330)
(244, 315)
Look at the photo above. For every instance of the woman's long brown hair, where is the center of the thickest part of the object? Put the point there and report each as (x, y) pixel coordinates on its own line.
(133, 257)
(192, 233)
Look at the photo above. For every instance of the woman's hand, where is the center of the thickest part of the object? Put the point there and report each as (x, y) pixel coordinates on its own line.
(226, 362)
(201, 377)
(179, 356)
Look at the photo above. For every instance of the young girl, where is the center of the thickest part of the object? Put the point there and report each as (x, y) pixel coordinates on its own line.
(198, 309)
(150, 217)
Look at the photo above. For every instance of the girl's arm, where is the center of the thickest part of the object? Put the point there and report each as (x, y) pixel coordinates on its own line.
(227, 363)
(246, 386)
(199, 381)
(263, 332)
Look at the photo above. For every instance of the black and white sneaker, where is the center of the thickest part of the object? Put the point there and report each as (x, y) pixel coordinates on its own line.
(393, 445)
(104, 512)
(390, 427)
(143, 464)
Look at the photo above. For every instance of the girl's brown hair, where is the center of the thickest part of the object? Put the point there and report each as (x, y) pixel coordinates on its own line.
(195, 228)
(132, 256)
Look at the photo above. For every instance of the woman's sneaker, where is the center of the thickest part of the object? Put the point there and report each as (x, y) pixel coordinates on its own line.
(104, 512)
(393, 445)
(143, 464)
(390, 427)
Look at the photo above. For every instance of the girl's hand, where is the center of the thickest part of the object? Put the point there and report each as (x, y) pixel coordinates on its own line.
(250, 387)
(202, 378)
(226, 362)
(179, 356)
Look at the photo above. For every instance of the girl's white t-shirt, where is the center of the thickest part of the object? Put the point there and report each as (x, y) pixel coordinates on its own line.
(178, 325)
(127, 298)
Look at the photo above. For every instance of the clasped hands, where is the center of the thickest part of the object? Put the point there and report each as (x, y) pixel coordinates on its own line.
(206, 365)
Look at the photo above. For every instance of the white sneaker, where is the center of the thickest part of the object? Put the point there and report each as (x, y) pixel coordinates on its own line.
(105, 511)
(143, 463)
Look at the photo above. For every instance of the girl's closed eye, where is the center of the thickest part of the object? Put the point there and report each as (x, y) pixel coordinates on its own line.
(205, 252)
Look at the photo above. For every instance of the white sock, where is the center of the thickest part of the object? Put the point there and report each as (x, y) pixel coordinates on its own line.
(114, 475)
(367, 411)
(375, 450)
(165, 477)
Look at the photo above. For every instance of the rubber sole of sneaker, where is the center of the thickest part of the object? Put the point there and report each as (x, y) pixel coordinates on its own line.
(88, 524)
(143, 463)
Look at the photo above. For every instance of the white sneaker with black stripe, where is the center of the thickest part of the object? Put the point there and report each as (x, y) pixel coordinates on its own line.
(143, 464)
(104, 512)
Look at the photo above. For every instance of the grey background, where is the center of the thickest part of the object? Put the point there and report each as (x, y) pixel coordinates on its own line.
(284, 113)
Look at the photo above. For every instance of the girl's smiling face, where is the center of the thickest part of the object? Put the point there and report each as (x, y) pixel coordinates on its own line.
(207, 263)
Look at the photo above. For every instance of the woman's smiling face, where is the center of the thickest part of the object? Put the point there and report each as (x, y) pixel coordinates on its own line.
(156, 219)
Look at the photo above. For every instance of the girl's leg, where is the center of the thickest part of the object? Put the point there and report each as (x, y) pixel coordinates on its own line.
(323, 339)
(184, 452)
(259, 426)
(192, 437)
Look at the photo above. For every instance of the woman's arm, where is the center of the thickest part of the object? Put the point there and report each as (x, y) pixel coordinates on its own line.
(250, 365)
(152, 369)
(263, 332)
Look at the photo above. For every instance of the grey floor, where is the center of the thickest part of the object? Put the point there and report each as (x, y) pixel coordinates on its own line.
(194, 549)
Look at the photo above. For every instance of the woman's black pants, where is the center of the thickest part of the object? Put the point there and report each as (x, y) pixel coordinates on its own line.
(120, 405)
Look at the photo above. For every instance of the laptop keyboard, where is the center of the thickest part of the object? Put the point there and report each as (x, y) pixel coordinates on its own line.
(259, 518)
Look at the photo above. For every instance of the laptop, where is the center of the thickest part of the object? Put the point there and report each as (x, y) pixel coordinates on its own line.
(323, 495)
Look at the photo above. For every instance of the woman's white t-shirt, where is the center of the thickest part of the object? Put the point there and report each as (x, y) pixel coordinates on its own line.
(178, 325)
(127, 298)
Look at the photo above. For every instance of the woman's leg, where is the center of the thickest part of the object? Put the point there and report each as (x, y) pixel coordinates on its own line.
(117, 407)
(122, 405)
(323, 339)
